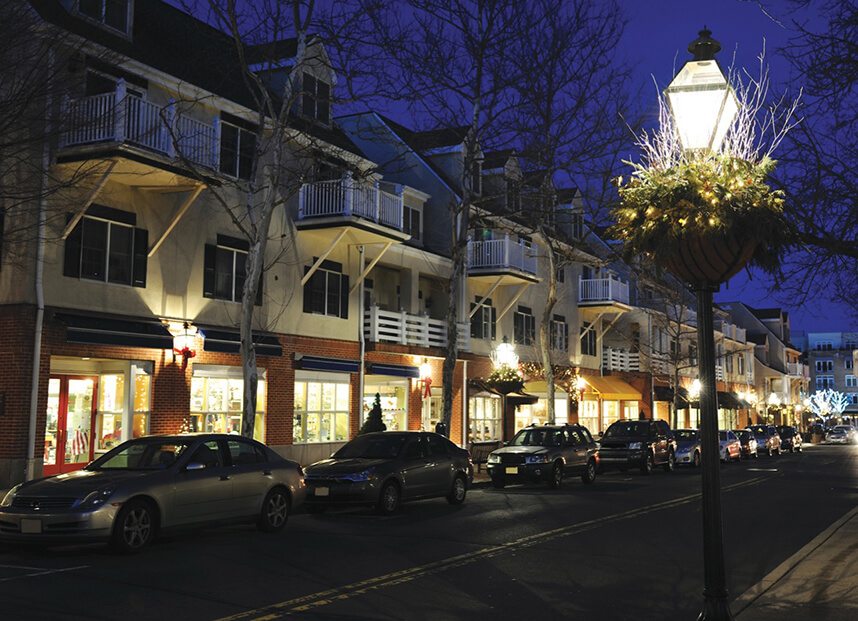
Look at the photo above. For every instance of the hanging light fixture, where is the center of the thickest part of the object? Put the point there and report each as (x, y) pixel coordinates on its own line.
(183, 342)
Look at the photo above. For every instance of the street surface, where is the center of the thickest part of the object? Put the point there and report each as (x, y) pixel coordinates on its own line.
(627, 547)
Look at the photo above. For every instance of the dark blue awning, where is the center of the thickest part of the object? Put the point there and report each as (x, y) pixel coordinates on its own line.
(228, 342)
(120, 332)
(395, 370)
(318, 363)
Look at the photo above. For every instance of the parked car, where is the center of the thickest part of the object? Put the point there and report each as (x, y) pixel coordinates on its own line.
(790, 438)
(768, 439)
(748, 443)
(641, 444)
(153, 484)
(842, 434)
(729, 446)
(687, 447)
(545, 453)
(386, 468)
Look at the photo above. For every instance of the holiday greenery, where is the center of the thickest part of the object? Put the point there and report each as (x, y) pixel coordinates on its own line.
(506, 378)
(719, 195)
(373, 420)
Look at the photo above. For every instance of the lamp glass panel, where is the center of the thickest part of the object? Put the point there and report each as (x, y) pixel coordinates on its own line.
(696, 96)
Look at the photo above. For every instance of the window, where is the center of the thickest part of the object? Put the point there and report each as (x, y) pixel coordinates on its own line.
(321, 411)
(484, 320)
(824, 381)
(237, 148)
(524, 326)
(484, 419)
(561, 274)
(316, 100)
(105, 246)
(559, 333)
(825, 364)
(850, 343)
(673, 349)
(729, 361)
(851, 381)
(477, 178)
(513, 196)
(847, 362)
(225, 270)
(852, 397)
(242, 453)
(588, 340)
(740, 358)
(217, 400)
(824, 345)
(577, 226)
(327, 291)
(113, 13)
(411, 221)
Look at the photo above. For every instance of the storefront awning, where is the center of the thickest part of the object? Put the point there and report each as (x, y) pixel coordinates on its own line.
(395, 370)
(520, 398)
(665, 393)
(318, 363)
(610, 388)
(479, 388)
(729, 401)
(122, 332)
(229, 342)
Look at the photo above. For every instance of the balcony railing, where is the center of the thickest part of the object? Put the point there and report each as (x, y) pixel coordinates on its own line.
(798, 368)
(502, 254)
(602, 290)
(620, 360)
(731, 331)
(381, 326)
(120, 117)
(350, 197)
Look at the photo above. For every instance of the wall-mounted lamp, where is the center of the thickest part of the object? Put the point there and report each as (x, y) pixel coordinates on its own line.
(426, 378)
(183, 341)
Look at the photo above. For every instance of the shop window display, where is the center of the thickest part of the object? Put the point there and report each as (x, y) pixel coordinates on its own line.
(140, 420)
(321, 412)
(216, 405)
(484, 419)
(394, 404)
(588, 415)
(108, 422)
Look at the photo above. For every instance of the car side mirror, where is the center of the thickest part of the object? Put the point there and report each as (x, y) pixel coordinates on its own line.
(195, 465)
(506, 443)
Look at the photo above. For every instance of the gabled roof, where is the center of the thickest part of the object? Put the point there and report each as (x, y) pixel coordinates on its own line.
(766, 313)
(757, 338)
(497, 159)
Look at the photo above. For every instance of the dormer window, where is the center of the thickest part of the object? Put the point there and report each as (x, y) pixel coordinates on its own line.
(115, 14)
(316, 102)
(476, 178)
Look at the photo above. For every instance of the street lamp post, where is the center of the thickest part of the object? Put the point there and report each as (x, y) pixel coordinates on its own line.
(703, 106)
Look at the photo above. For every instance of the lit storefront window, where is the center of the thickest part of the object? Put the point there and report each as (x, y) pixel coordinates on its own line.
(394, 403)
(588, 415)
(111, 402)
(142, 407)
(321, 411)
(216, 402)
(484, 414)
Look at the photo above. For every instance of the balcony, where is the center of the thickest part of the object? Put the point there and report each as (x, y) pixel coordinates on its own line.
(620, 360)
(798, 369)
(120, 119)
(597, 296)
(507, 259)
(381, 326)
(731, 331)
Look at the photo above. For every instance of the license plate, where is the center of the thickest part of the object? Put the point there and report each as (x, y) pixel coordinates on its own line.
(322, 491)
(31, 527)
(513, 470)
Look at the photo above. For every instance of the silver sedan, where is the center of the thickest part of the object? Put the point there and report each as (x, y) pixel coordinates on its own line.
(153, 484)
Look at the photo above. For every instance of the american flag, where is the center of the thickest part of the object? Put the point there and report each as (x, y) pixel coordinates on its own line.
(80, 443)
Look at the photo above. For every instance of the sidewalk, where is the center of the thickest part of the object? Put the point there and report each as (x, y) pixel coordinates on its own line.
(819, 581)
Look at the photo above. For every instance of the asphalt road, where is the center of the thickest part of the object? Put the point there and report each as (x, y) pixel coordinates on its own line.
(627, 547)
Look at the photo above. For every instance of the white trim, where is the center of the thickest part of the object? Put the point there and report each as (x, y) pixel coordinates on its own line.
(223, 371)
(322, 376)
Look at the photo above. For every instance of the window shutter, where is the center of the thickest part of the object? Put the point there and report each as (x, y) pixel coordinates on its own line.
(258, 301)
(494, 316)
(309, 96)
(141, 258)
(344, 297)
(308, 292)
(209, 271)
(323, 101)
(476, 333)
(71, 262)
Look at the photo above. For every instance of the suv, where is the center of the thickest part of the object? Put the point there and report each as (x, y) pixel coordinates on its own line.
(545, 453)
(790, 438)
(768, 439)
(640, 444)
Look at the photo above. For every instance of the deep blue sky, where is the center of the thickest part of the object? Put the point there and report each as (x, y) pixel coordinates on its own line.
(657, 35)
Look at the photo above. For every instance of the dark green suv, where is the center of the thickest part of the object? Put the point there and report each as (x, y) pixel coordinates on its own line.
(641, 444)
(545, 453)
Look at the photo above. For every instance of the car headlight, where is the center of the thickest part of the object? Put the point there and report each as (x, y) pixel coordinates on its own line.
(366, 475)
(634, 446)
(538, 459)
(494, 459)
(10, 496)
(96, 498)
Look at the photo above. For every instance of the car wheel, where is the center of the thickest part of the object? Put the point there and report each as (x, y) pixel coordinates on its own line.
(556, 479)
(589, 473)
(792, 449)
(670, 465)
(695, 461)
(457, 494)
(134, 527)
(646, 467)
(275, 511)
(498, 482)
(315, 509)
(388, 500)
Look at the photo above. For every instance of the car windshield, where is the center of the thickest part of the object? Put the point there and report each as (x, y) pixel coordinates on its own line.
(760, 431)
(743, 435)
(685, 435)
(375, 446)
(622, 430)
(142, 454)
(537, 437)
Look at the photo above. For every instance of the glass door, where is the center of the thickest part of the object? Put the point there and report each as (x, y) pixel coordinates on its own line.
(68, 427)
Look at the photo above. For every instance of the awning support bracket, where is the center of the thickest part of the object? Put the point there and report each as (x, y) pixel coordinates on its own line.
(514, 299)
(323, 256)
(369, 267)
(185, 206)
(89, 200)
(485, 297)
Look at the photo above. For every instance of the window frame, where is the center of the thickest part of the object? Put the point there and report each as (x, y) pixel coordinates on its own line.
(335, 414)
(589, 335)
(523, 326)
(485, 319)
(314, 100)
(315, 287)
(558, 333)
(243, 154)
(102, 17)
(223, 247)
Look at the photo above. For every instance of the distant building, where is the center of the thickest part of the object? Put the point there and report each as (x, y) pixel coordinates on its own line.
(830, 356)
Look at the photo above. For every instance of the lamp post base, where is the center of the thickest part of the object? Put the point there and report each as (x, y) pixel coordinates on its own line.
(715, 608)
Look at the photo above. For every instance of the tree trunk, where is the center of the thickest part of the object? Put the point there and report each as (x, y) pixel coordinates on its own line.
(544, 330)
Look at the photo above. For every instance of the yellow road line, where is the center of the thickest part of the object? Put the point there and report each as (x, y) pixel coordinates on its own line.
(272, 612)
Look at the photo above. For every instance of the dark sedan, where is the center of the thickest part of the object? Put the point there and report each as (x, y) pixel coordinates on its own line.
(545, 453)
(153, 484)
(790, 438)
(388, 467)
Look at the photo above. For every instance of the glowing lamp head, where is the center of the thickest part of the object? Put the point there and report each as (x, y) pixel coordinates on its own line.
(701, 100)
(694, 390)
(504, 355)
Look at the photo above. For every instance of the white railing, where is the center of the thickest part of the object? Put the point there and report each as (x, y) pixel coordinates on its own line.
(602, 290)
(350, 197)
(731, 331)
(719, 372)
(120, 117)
(798, 368)
(502, 253)
(620, 360)
(381, 326)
